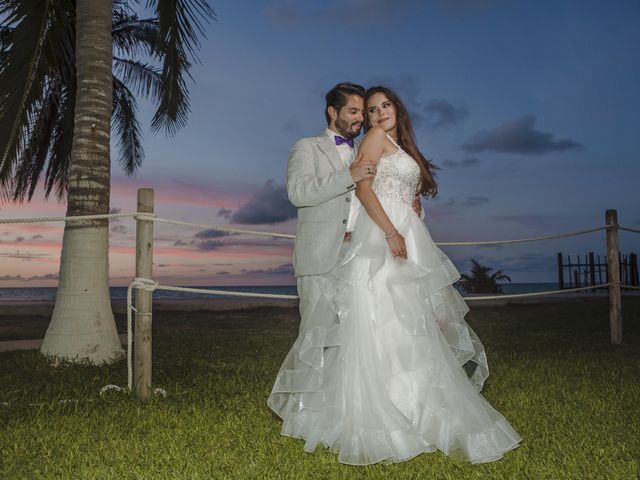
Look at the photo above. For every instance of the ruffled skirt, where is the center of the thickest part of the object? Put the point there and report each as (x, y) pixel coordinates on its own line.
(385, 367)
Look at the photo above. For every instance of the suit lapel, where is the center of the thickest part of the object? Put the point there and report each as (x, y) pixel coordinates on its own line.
(326, 145)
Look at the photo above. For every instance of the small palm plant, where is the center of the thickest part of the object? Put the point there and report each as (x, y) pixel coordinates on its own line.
(480, 280)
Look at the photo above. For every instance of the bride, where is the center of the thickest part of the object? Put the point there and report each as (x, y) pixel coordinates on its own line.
(400, 372)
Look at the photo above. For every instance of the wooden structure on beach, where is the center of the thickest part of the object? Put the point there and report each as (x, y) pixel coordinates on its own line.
(593, 270)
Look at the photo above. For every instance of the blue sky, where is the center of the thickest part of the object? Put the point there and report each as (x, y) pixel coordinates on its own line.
(531, 109)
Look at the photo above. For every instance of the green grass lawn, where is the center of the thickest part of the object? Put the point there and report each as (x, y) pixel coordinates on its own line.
(574, 399)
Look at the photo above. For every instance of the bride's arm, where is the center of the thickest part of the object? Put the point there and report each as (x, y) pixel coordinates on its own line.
(373, 146)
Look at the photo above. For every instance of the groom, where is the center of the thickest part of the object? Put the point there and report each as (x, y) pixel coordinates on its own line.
(321, 179)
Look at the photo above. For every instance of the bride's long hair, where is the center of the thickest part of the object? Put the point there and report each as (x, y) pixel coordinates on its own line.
(407, 140)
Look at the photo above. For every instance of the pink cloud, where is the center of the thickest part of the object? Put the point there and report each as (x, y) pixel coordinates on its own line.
(186, 191)
(176, 198)
(36, 228)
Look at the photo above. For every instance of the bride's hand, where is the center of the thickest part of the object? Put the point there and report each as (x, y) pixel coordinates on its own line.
(396, 244)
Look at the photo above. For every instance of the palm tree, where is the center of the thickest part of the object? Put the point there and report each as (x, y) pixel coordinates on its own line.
(480, 280)
(67, 66)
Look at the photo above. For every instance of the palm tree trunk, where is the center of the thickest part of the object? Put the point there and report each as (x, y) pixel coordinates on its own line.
(82, 326)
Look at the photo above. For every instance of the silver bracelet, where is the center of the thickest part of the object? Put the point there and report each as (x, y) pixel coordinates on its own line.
(391, 234)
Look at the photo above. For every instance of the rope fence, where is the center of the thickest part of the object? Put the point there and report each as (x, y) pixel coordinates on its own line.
(148, 217)
(77, 218)
(523, 240)
(240, 231)
(149, 285)
(145, 285)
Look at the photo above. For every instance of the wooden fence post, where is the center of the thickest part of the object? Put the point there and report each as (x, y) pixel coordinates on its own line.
(144, 261)
(634, 269)
(560, 272)
(592, 270)
(613, 269)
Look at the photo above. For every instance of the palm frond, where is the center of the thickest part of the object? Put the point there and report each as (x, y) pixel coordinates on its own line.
(32, 159)
(182, 22)
(6, 39)
(181, 25)
(133, 36)
(6, 35)
(480, 281)
(62, 142)
(127, 128)
(142, 78)
(499, 277)
(40, 36)
(21, 85)
(60, 44)
(123, 4)
(38, 83)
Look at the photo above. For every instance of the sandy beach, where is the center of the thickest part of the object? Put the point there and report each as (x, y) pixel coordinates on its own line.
(22, 321)
(28, 319)
(45, 307)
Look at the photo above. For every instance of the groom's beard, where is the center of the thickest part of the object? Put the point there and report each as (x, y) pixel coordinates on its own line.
(346, 129)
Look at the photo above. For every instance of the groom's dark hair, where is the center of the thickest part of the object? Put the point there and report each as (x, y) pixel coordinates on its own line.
(337, 96)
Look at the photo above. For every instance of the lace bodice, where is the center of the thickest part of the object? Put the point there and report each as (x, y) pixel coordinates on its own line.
(397, 176)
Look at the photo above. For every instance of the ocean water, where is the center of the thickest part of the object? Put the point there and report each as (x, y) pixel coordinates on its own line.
(120, 293)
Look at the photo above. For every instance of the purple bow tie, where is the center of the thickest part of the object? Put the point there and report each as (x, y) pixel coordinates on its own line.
(340, 140)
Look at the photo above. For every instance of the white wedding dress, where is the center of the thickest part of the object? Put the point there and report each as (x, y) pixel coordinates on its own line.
(397, 372)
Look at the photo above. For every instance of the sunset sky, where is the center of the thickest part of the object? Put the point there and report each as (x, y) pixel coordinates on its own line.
(531, 109)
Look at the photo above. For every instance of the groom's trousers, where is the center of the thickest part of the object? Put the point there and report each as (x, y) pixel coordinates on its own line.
(315, 309)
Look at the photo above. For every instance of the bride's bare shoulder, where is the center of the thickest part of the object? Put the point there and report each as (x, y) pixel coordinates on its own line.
(377, 138)
(375, 134)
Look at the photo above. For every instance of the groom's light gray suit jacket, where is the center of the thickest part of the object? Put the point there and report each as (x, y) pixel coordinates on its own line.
(318, 184)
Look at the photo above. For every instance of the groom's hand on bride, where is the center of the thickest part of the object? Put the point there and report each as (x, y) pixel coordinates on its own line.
(362, 171)
(417, 207)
